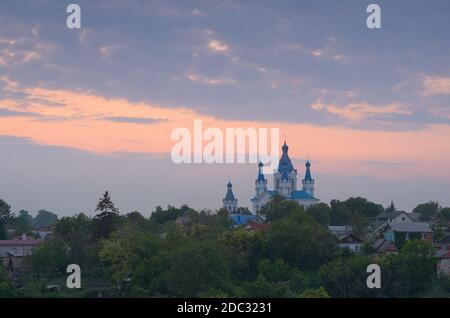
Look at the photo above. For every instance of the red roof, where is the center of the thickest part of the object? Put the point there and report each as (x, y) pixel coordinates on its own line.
(392, 248)
(257, 226)
(446, 255)
(19, 242)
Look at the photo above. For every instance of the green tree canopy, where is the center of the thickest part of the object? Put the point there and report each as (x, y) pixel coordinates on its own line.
(44, 218)
(300, 241)
(5, 216)
(107, 220)
(278, 207)
(321, 212)
(427, 210)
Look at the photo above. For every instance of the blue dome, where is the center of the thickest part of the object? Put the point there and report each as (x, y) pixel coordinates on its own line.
(308, 171)
(229, 196)
(285, 165)
(260, 173)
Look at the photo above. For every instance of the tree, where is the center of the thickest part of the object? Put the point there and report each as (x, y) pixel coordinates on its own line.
(7, 290)
(137, 220)
(243, 251)
(340, 214)
(300, 241)
(105, 205)
(276, 271)
(427, 211)
(354, 212)
(5, 216)
(170, 214)
(314, 293)
(76, 232)
(363, 207)
(133, 261)
(278, 207)
(5, 212)
(261, 288)
(50, 258)
(106, 221)
(321, 213)
(22, 223)
(412, 272)
(196, 268)
(346, 277)
(44, 218)
(444, 216)
(418, 248)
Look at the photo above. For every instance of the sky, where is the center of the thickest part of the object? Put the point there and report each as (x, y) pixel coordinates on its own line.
(92, 109)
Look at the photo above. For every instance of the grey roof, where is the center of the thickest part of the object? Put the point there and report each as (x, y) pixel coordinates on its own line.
(339, 227)
(389, 215)
(383, 245)
(410, 227)
(349, 239)
(377, 223)
(377, 244)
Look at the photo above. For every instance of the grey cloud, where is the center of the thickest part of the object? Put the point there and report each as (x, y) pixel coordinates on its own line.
(133, 120)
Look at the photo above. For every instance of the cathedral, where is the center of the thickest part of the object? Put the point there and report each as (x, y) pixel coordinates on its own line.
(285, 184)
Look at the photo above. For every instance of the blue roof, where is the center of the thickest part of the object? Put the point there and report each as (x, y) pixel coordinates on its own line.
(230, 195)
(301, 195)
(260, 173)
(285, 165)
(295, 194)
(242, 219)
(308, 171)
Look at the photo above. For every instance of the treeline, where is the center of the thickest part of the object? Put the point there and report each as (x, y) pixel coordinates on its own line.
(22, 222)
(180, 252)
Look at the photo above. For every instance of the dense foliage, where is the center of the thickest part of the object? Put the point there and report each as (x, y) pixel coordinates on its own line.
(180, 252)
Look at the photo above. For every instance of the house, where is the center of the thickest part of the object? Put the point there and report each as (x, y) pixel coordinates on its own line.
(183, 220)
(340, 230)
(381, 222)
(443, 244)
(350, 242)
(400, 232)
(13, 252)
(395, 216)
(443, 264)
(43, 232)
(255, 226)
(383, 246)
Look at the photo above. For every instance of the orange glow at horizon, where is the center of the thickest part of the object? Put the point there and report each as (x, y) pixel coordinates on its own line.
(88, 122)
